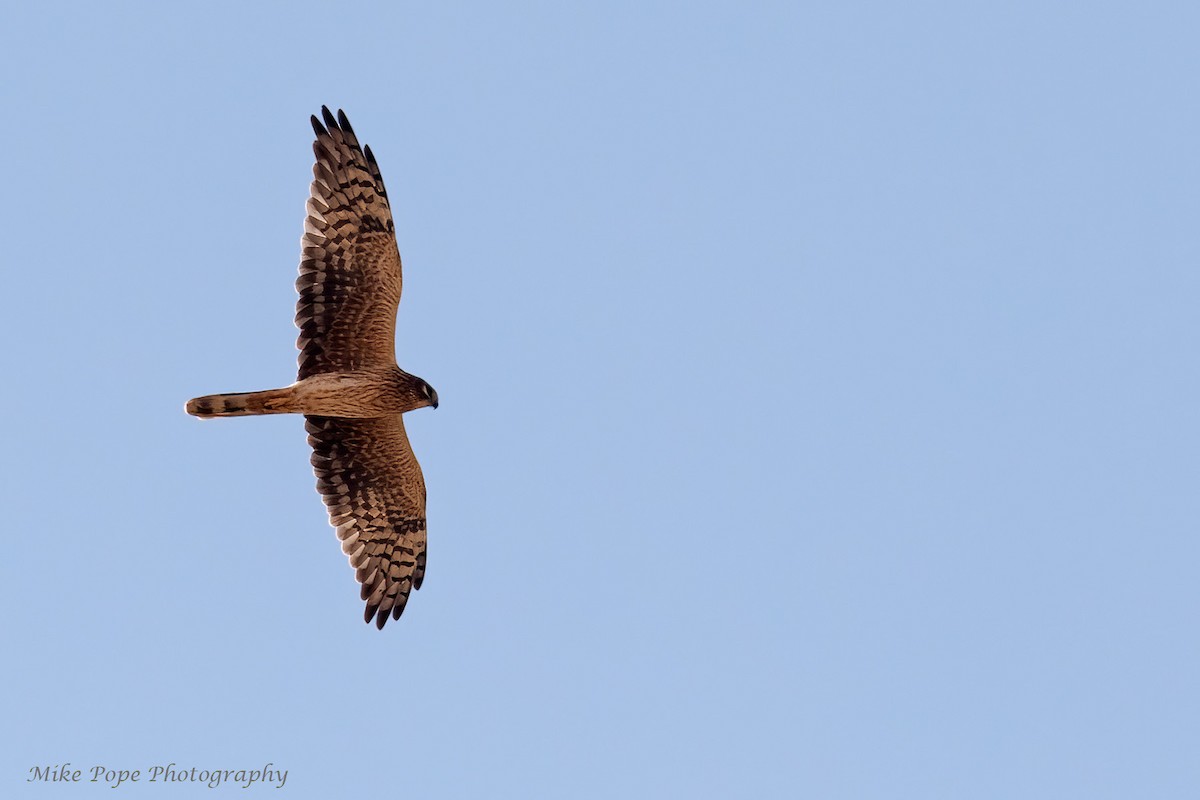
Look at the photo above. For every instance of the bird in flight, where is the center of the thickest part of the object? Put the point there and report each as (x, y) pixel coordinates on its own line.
(349, 388)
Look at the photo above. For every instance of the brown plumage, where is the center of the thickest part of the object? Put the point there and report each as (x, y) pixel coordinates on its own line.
(349, 387)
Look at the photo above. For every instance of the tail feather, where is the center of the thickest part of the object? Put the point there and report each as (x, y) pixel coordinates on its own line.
(241, 404)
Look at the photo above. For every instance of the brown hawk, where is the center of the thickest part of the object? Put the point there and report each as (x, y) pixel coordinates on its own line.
(349, 388)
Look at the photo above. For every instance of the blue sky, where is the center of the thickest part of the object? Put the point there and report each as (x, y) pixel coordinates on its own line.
(818, 399)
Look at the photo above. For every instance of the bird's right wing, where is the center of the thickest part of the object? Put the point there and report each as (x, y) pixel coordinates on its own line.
(350, 279)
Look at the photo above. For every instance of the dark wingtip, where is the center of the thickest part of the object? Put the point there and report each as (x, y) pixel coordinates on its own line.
(327, 115)
(318, 128)
(344, 122)
(419, 578)
(322, 153)
(381, 620)
(370, 612)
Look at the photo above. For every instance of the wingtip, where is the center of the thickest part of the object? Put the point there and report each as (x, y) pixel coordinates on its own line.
(381, 618)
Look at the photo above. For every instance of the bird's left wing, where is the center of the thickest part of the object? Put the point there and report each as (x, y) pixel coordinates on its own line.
(373, 488)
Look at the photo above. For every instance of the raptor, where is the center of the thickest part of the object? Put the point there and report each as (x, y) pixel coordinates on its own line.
(349, 388)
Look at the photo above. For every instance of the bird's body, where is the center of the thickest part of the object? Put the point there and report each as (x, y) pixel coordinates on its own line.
(349, 387)
(362, 394)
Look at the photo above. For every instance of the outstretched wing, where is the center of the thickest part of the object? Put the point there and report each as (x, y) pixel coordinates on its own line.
(350, 269)
(375, 493)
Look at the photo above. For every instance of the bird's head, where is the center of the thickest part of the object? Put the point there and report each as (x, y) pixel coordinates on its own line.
(428, 392)
(416, 393)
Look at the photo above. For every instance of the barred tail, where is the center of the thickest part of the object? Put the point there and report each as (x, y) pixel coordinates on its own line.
(241, 404)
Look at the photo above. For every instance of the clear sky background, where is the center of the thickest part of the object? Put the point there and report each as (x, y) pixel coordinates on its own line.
(819, 399)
